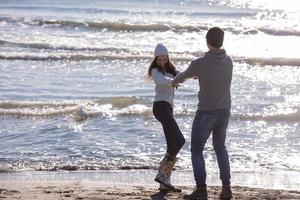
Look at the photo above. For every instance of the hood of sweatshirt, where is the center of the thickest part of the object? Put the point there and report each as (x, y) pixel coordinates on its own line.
(216, 55)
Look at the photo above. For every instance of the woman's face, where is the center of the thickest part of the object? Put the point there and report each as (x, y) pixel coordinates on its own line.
(162, 60)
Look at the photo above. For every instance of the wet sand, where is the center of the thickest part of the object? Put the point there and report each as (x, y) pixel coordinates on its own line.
(78, 190)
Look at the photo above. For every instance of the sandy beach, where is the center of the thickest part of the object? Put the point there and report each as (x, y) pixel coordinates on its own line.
(96, 191)
(137, 184)
(76, 113)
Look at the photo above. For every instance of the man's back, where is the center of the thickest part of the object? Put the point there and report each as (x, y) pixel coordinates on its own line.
(215, 74)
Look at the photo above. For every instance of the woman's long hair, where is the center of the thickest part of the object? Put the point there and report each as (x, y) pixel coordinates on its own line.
(169, 68)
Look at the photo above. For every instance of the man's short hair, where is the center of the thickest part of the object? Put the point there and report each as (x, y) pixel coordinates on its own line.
(215, 37)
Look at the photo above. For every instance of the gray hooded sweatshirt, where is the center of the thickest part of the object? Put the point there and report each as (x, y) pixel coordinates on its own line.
(214, 72)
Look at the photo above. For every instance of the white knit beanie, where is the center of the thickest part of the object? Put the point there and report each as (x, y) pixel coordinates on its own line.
(160, 49)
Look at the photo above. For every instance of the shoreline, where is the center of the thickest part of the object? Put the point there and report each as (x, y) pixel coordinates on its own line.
(276, 180)
(139, 184)
(79, 190)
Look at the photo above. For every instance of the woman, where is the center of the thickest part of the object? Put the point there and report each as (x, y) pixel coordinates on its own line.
(162, 71)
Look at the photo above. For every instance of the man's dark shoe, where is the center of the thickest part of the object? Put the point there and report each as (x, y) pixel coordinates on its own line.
(199, 194)
(226, 193)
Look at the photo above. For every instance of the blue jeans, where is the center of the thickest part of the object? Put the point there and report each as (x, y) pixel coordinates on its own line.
(205, 122)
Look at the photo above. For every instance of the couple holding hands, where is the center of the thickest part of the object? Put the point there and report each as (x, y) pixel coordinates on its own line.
(214, 74)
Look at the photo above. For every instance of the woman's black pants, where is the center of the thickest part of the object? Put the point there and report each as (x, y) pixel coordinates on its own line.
(163, 112)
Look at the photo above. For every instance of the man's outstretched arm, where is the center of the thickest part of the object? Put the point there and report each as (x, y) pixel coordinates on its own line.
(188, 73)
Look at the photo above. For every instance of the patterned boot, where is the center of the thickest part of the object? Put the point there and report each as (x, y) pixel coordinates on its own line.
(164, 188)
(165, 170)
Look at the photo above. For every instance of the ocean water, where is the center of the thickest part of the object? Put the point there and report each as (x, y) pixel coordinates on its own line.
(73, 94)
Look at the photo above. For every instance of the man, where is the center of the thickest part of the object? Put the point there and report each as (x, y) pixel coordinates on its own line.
(214, 73)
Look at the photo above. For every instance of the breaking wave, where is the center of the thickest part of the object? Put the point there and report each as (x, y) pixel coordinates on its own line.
(77, 110)
(147, 27)
(114, 106)
(61, 47)
(114, 55)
